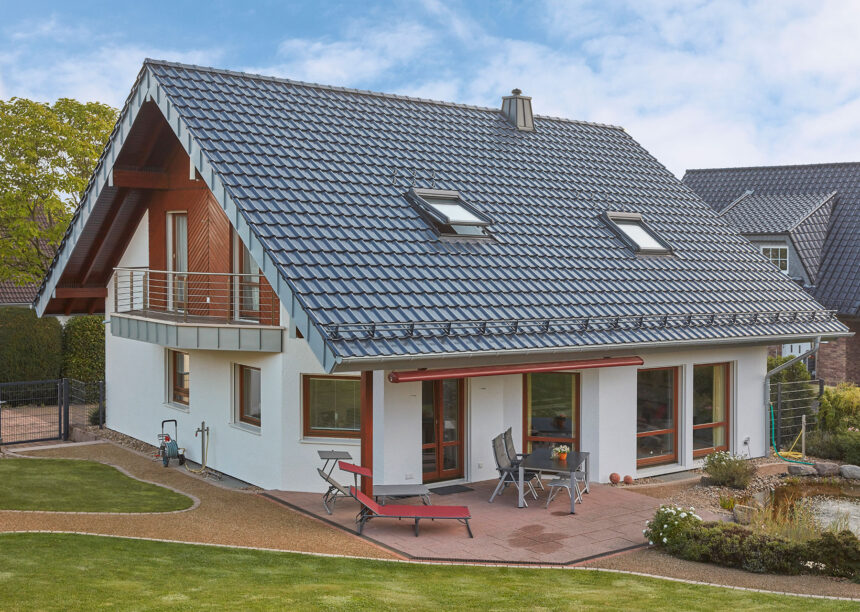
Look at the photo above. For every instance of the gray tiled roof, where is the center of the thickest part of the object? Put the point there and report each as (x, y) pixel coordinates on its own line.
(838, 275)
(319, 175)
(754, 213)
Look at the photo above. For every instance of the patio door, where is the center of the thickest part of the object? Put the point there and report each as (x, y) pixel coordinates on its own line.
(442, 429)
(177, 261)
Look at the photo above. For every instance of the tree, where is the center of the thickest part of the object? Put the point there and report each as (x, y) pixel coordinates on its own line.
(47, 153)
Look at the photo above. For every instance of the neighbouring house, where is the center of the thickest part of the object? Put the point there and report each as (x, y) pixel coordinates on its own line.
(12, 294)
(308, 267)
(806, 221)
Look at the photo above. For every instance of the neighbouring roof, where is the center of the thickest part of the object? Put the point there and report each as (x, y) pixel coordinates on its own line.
(17, 295)
(830, 239)
(315, 179)
(754, 213)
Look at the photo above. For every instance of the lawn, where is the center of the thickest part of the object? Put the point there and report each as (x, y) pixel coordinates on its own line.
(76, 572)
(80, 486)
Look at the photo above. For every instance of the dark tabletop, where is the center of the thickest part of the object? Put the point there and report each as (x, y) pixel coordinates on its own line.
(542, 459)
(333, 454)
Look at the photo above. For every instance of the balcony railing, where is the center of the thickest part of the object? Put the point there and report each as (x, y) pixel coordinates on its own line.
(195, 297)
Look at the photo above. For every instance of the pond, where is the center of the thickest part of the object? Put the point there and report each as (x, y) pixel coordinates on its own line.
(829, 510)
(831, 501)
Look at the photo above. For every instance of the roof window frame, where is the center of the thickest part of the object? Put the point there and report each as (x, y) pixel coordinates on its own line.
(443, 224)
(611, 218)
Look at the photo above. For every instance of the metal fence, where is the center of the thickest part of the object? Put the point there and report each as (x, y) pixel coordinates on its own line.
(39, 410)
(793, 404)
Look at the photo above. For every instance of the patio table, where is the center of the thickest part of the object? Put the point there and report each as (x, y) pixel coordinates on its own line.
(541, 460)
(402, 490)
(332, 456)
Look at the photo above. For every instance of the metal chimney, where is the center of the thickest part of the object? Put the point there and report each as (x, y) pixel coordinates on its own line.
(517, 109)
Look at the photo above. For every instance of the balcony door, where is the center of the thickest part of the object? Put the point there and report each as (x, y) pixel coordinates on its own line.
(246, 284)
(177, 261)
(442, 429)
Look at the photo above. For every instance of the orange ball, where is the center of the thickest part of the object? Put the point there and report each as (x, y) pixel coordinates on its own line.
(614, 478)
(628, 479)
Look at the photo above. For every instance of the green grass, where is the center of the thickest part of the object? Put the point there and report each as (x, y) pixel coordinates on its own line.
(74, 572)
(65, 485)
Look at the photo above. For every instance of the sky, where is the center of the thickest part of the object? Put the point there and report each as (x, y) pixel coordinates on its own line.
(699, 84)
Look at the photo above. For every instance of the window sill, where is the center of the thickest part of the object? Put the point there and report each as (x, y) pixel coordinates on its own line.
(247, 428)
(323, 441)
(179, 407)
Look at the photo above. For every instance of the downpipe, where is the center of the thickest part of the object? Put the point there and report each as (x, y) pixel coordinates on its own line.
(816, 345)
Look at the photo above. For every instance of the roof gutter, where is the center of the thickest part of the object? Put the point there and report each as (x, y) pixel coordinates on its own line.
(500, 370)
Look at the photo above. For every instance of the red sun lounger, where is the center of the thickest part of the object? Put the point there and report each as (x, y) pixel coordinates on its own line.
(370, 509)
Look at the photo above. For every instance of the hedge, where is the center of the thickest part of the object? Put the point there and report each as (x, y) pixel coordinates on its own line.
(30, 348)
(84, 349)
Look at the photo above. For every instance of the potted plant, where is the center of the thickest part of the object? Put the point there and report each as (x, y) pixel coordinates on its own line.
(560, 452)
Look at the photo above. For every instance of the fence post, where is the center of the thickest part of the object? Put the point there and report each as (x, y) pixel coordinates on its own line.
(803, 436)
(820, 387)
(101, 404)
(778, 433)
(65, 387)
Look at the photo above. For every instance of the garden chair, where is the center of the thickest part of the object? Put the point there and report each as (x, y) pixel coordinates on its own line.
(508, 473)
(564, 483)
(516, 457)
(335, 490)
(370, 510)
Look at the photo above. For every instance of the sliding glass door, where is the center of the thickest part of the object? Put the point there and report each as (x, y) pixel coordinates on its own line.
(657, 416)
(711, 392)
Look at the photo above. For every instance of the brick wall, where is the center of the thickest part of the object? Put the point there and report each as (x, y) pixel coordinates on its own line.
(839, 360)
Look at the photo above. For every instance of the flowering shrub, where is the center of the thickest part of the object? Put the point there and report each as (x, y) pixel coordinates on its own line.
(726, 469)
(668, 524)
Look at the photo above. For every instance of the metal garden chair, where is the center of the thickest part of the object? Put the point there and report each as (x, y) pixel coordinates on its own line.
(515, 457)
(508, 472)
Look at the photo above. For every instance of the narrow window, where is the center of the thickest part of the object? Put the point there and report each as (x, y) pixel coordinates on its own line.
(710, 408)
(248, 394)
(656, 416)
(180, 371)
(177, 261)
(332, 406)
(778, 256)
(633, 230)
(551, 410)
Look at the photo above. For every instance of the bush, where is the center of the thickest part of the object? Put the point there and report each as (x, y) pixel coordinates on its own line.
(725, 469)
(793, 373)
(84, 349)
(840, 408)
(733, 545)
(839, 445)
(30, 347)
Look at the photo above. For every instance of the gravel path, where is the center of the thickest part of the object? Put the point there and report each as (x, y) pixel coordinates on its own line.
(232, 518)
(650, 561)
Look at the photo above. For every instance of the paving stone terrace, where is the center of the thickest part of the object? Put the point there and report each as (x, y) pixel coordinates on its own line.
(610, 520)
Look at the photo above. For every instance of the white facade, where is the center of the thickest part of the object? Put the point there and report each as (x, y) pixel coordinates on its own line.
(276, 455)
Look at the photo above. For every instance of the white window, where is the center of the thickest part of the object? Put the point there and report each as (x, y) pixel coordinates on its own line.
(778, 256)
(633, 230)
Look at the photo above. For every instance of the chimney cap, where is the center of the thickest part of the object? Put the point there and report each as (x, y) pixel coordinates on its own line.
(516, 91)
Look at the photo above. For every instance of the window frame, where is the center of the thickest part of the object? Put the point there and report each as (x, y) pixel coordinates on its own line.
(573, 441)
(771, 247)
(240, 397)
(676, 397)
(697, 454)
(312, 432)
(172, 355)
(610, 217)
(442, 224)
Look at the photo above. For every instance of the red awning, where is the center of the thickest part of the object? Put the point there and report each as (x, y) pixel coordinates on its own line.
(499, 370)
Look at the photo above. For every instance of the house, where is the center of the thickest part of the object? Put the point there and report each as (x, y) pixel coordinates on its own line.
(12, 294)
(306, 267)
(806, 220)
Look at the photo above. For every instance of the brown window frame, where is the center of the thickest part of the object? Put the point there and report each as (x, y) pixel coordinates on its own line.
(175, 389)
(527, 438)
(702, 452)
(312, 432)
(662, 459)
(246, 418)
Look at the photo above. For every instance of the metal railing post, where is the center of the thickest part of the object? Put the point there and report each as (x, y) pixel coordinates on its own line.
(803, 436)
(145, 304)
(778, 433)
(65, 431)
(116, 291)
(101, 404)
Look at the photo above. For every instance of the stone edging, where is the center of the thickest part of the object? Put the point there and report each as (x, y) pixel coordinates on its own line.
(459, 563)
(194, 505)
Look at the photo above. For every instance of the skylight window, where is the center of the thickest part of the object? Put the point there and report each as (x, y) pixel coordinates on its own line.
(631, 228)
(448, 213)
